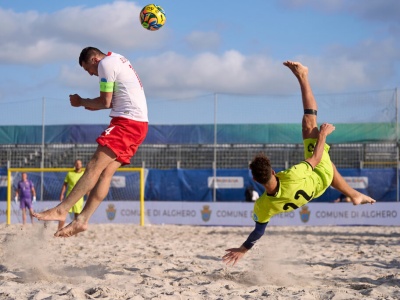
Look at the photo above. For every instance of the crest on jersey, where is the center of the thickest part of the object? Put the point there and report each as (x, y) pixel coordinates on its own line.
(255, 218)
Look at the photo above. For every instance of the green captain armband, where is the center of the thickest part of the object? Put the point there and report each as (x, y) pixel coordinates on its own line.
(106, 86)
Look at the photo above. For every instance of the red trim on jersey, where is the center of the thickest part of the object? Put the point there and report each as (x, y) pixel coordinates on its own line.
(109, 53)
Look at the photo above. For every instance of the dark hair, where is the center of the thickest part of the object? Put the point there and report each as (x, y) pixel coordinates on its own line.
(87, 53)
(261, 168)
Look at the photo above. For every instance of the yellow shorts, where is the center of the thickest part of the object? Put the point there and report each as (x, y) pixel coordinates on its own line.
(77, 208)
(324, 169)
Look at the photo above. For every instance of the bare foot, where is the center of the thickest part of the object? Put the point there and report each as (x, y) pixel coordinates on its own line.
(71, 229)
(297, 68)
(52, 214)
(362, 199)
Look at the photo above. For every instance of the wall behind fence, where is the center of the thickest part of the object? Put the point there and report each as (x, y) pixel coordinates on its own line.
(196, 185)
(201, 134)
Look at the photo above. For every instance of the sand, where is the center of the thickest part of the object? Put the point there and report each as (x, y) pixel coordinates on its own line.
(184, 262)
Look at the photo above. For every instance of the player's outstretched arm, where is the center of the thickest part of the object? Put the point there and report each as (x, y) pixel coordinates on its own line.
(235, 254)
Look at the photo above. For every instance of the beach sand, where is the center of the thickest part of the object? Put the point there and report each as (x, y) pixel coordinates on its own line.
(184, 262)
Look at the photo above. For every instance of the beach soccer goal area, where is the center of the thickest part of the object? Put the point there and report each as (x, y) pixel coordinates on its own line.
(127, 184)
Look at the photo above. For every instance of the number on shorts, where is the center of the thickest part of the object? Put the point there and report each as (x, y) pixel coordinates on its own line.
(108, 130)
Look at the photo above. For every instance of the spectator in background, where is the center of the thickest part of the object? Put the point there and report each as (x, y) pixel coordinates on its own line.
(251, 194)
(69, 182)
(25, 194)
(342, 198)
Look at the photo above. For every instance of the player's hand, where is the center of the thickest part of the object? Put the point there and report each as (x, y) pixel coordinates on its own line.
(75, 100)
(34, 199)
(326, 129)
(234, 255)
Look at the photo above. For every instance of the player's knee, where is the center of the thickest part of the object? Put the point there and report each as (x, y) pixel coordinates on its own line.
(106, 175)
(310, 133)
(309, 122)
(94, 166)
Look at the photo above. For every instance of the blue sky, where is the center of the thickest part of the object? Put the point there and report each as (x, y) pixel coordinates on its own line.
(205, 47)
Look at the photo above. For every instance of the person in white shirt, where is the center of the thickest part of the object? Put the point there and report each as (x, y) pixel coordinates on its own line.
(121, 91)
(255, 195)
(251, 194)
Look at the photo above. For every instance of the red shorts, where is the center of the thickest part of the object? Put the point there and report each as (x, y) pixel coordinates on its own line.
(123, 136)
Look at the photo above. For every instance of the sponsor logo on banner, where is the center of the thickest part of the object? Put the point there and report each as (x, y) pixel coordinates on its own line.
(118, 182)
(3, 180)
(111, 212)
(206, 213)
(226, 182)
(305, 214)
(357, 182)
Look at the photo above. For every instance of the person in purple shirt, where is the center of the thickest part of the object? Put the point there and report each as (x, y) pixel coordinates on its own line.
(27, 194)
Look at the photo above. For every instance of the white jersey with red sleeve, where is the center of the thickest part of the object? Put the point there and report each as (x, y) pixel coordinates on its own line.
(118, 76)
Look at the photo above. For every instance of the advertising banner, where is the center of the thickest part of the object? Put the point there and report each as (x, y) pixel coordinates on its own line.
(229, 214)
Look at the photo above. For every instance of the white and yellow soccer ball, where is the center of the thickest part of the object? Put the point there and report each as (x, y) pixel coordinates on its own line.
(152, 17)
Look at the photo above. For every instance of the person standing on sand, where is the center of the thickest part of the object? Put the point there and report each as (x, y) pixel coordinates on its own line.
(70, 180)
(25, 194)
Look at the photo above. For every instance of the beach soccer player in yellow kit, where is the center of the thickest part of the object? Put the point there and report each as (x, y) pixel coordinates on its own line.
(296, 186)
(70, 181)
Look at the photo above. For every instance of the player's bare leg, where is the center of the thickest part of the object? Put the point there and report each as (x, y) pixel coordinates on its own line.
(72, 228)
(23, 216)
(342, 186)
(300, 71)
(57, 213)
(61, 224)
(309, 122)
(96, 196)
(100, 160)
(31, 214)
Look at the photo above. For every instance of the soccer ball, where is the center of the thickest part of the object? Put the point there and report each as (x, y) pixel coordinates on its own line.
(152, 17)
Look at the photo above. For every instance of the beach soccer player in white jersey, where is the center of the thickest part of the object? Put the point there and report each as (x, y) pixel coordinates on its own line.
(296, 186)
(121, 91)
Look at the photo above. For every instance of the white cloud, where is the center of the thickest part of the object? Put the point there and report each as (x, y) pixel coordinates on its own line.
(377, 57)
(173, 75)
(36, 38)
(39, 38)
(77, 78)
(335, 75)
(37, 52)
